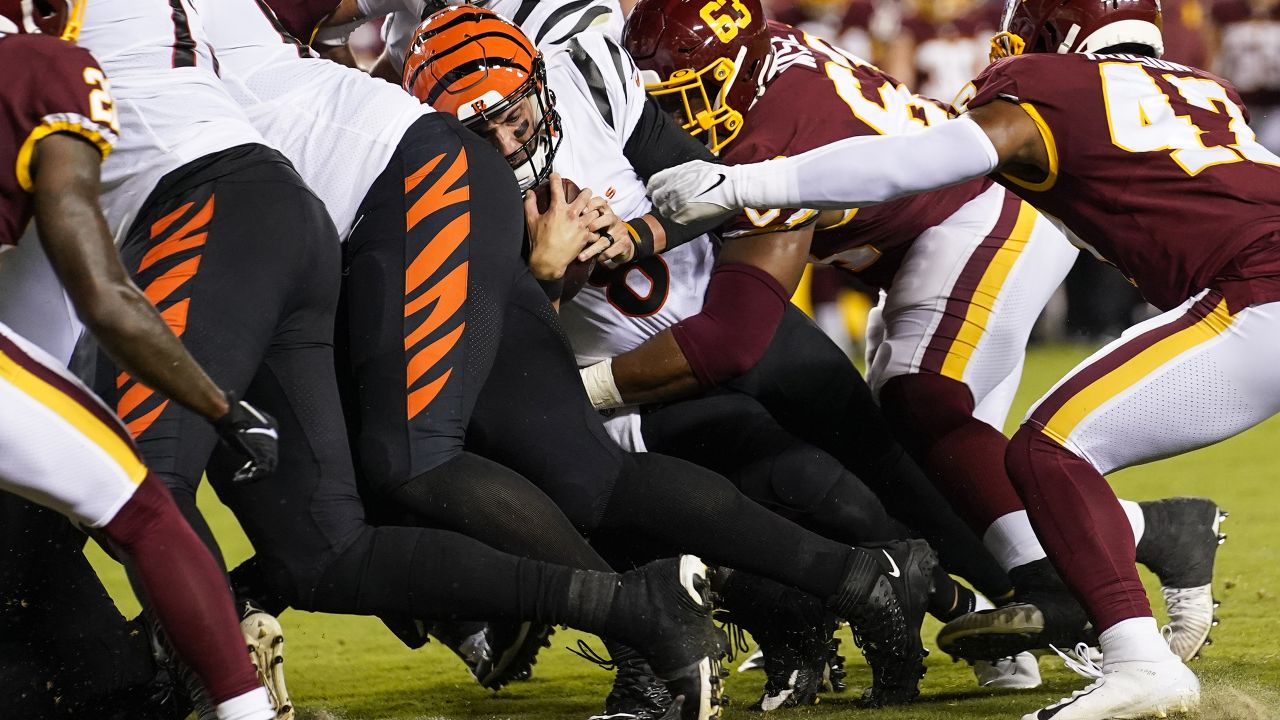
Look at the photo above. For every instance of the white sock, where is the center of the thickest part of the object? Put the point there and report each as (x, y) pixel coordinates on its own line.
(1012, 541)
(1134, 640)
(253, 705)
(1136, 519)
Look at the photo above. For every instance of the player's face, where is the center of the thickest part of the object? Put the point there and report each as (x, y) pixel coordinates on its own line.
(511, 131)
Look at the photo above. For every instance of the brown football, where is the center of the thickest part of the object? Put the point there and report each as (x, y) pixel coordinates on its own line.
(575, 276)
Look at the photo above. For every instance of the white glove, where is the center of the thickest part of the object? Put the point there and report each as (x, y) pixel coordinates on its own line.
(695, 192)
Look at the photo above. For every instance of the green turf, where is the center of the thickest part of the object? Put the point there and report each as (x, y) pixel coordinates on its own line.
(353, 669)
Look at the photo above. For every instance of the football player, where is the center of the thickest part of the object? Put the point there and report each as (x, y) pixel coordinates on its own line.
(965, 271)
(600, 129)
(451, 358)
(1152, 166)
(59, 445)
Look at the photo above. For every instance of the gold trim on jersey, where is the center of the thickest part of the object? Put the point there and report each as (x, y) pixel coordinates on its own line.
(23, 166)
(76, 415)
(983, 300)
(1050, 147)
(1079, 406)
(847, 218)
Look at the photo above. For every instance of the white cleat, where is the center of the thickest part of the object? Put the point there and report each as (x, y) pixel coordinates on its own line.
(1190, 619)
(1128, 690)
(265, 638)
(1020, 672)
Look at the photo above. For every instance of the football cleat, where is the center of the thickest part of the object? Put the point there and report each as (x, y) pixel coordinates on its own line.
(512, 651)
(833, 678)
(886, 618)
(754, 661)
(1020, 672)
(1042, 614)
(265, 639)
(668, 601)
(1180, 545)
(467, 640)
(637, 693)
(1126, 690)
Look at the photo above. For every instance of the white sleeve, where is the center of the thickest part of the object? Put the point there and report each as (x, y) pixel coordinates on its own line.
(397, 31)
(377, 8)
(846, 174)
(868, 170)
(611, 79)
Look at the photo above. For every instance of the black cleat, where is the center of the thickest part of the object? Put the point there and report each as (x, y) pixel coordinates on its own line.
(833, 679)
(668, 602)
(1042, 613)
(468, 640)
(1179, 545)
(513, 650)
(637, 693)
(886, 616)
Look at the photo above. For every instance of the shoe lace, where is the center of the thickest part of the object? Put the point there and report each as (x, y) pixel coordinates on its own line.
(1078, 661)
(588, 653)
(738, 644)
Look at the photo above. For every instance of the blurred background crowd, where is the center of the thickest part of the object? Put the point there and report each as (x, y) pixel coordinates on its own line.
(937, 46)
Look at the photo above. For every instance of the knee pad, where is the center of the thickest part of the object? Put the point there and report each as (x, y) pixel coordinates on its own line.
(801, 477)
(924, 407)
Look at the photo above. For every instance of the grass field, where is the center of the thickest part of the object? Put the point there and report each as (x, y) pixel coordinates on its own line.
(348, 668)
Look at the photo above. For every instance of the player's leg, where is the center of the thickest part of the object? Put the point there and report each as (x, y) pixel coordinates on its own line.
(533, 415)
(62, 448)
(1186, 379)
(802, 364)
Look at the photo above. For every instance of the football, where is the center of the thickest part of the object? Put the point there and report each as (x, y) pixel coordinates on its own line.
(575, 276)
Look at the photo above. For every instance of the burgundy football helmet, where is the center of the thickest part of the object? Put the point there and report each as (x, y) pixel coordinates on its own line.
(1076, 26)
(59, 18)
(704, 60)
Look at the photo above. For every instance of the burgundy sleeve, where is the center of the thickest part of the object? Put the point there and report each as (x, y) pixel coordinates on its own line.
(739, 316)
(997, 81)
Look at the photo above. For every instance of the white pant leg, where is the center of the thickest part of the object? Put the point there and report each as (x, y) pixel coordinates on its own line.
(967, 296)
(33, 303)
(1182, 380)
(59, 446)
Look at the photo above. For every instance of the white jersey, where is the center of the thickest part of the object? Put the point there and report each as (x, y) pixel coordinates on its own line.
(548, 23)
(600, 97)
(338, 126)
(172, 107)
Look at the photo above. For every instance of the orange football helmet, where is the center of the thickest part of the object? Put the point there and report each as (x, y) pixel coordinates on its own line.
(469, 61)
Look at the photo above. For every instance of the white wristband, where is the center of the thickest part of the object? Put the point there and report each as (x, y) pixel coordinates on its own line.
(603, 391)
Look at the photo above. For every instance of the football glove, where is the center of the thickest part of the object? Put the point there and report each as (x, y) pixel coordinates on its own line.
(252, 433)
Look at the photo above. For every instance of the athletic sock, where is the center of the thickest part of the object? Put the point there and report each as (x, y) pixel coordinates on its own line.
(1134, 640)
(1012, 541)
(253, 705)
(1081, 526)
(1137, 521)
(185, 588)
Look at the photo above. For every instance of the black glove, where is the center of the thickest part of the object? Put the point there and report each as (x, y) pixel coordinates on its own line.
(252, 433)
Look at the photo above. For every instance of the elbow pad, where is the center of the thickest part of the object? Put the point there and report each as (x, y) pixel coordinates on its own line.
(740, 314)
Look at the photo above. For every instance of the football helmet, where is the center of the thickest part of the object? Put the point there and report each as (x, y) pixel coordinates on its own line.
(470, 62)
(431, 7)
(1076, 26)
(704, 61)
(60, 18)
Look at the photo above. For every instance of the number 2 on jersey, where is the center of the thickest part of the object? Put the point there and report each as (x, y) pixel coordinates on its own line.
(101, 107)
(1142, 119)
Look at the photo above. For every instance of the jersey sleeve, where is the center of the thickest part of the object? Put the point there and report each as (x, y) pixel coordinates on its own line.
(70, 94)
(998, 81)
(397, 31)
(611, 79)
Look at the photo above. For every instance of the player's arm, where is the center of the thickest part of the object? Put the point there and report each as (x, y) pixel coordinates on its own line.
(65, 176)
(385, 69)
(749, 289)
(656, 144)
(863, 170)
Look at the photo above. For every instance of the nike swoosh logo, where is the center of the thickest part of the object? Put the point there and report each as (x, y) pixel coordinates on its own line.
(713, 187)
(895, 572)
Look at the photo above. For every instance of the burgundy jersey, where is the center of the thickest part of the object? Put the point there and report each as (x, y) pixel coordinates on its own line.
(1154, 166)
(49, 86)
(819, 96)
(301, 18)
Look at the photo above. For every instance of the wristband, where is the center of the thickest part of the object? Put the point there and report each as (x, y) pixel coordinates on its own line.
(642, 235)
(601, 388)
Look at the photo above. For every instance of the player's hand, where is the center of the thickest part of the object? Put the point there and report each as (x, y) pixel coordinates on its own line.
(695, 192)
(252, 433)
(602, 220)
(559, 235)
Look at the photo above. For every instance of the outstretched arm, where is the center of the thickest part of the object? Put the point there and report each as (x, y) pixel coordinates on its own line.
(860, 171)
